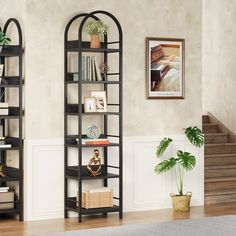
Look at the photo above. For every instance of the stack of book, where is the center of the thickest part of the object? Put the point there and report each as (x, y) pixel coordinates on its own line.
(99, 141)
(90, 69)
(4, 189)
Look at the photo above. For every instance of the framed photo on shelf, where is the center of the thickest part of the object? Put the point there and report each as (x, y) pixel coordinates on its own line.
(1, 69)
(90, 105)
(165, 68)
(101, 100)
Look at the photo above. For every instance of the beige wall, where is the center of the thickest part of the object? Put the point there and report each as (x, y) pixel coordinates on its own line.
(45, 23)
(219, 73)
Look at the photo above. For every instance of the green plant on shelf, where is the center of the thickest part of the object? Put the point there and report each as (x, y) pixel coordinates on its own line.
(3, 39)
(183, 161)
(96, 27)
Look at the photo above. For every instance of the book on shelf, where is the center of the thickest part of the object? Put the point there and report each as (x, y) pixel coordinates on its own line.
(99, 141)
(98, 72)
(88, 60)
(4, 189)
(96, 143)
(93, 69)
(90, 69)
(5, 145)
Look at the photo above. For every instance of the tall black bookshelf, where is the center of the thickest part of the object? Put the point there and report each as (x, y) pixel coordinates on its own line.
(13, 174)
(80, 172)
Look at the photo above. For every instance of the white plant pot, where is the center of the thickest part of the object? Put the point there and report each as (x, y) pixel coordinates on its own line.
(1, 49)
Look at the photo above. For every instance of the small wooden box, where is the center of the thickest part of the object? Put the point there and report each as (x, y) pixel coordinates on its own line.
(92, 199)
(7, 197)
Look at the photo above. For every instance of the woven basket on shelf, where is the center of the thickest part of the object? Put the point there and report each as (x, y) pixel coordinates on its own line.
(96, 199)
(181, 203)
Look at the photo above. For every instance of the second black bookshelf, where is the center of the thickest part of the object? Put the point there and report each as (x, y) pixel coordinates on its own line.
(79, 172)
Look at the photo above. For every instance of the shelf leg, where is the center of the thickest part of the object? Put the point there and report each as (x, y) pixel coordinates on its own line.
(65, 214)
(121, 214)
(80, 218)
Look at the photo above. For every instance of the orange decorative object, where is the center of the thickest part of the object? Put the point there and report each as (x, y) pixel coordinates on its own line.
(95, 41)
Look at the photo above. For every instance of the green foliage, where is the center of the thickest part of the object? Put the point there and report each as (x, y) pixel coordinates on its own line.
(187, 160)
(163, 146)
(3, 39)
(184, 161)
(195, 136)
(165, 165)
(96, 27)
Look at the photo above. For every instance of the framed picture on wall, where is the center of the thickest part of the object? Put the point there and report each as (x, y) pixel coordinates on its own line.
(164, 68)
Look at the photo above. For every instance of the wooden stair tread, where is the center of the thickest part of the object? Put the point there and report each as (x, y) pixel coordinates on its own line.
(219, 144)
(209, 124)
(221, 155)
(221, 192)
(220, 179)
(215, 134)
(220, 167)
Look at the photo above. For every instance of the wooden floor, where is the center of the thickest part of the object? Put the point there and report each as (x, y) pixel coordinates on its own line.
(11, 227)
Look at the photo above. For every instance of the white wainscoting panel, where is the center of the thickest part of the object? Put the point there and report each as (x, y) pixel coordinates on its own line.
(44, 179)
(143, 188)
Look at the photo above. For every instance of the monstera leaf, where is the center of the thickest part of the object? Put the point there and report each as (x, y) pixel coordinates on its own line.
(187, 160)
(195, 136)
(165, 165)
(163, 146)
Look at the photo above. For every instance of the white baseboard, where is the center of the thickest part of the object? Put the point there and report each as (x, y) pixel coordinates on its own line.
(143, 188)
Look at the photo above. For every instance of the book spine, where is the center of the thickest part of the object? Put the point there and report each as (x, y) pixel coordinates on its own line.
(88, 68)
(96, 143)
(98, 73)
(93, 68)
(83, 68)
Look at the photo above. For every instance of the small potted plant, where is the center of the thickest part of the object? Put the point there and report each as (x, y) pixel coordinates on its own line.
(3, 40)
(183, 161)
(95, 28)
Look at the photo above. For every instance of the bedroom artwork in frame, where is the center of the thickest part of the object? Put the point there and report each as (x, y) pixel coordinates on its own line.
(165, 68)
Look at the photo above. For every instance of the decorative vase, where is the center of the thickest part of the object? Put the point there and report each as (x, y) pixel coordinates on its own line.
(181, 203)
(1, 48)
(95, 41)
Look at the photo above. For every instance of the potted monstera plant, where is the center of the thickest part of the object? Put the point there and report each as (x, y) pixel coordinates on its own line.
(182, 162)
(96, 28)
(3, 40)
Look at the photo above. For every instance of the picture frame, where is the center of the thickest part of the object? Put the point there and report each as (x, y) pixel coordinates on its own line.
(101, 100)
(1, 69)
(165, 68)
(90, 105)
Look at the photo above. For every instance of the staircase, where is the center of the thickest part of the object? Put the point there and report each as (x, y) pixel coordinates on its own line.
(220, 162)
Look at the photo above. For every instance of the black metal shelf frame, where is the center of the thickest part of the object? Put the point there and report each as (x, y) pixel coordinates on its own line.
(13, 174)
(79, 46)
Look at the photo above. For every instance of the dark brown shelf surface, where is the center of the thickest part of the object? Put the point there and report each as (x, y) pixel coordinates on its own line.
(12, 82)
(11, 51)
(71, 142)
(15, 143)
(72, 109)
(92, 82)
(71, 206)
(73, 46)
(13, 113)
(72, 172)
(12, 210)
(12, 174)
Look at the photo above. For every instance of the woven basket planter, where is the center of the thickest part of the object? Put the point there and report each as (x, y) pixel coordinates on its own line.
(181, 203)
